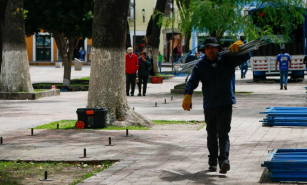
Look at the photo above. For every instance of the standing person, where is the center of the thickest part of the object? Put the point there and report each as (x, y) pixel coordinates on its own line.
(143, 72)
(244, 68)
(132, 65)
(76, 53)
(216, 74)
(179, 53)
(283, 59)
(174, 54)
(160, 59)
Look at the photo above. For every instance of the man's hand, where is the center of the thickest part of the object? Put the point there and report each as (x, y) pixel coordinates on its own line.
(187, 102)
(235, 46)
(144, 59)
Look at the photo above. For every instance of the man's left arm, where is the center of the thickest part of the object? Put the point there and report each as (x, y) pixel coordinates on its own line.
(289, 58)
(236, 61)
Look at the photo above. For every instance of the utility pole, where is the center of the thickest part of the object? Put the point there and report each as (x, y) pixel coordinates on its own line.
(134, 36)
(173, 36)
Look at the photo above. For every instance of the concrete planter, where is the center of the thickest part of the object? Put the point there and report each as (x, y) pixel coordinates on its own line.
(28, 96)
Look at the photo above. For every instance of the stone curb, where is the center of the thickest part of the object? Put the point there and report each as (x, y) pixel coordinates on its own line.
(28, 96)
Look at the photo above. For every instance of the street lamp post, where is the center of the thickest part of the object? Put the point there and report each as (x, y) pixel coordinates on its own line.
(173, 36)
(134, 37)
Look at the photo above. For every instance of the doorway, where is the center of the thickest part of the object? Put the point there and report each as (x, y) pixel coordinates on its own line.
(43, 47)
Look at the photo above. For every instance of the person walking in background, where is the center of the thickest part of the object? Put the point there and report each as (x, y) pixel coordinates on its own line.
(216, 74)
(81, 53)
(284, 61)
(143, 73)
(160, 60)
(132, 65)
(244, 68)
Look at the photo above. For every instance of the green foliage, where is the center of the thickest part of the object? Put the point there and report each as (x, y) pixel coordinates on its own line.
(73, 18)
(229, 18)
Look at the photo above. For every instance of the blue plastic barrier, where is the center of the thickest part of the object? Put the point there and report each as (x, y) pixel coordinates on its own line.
(285, 116)
(287, 164)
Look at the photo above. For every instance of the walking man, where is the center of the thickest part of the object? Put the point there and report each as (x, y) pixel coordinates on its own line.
(216, 74)
(283, 59)
(244, 68)
(143, 72)
(132, 65)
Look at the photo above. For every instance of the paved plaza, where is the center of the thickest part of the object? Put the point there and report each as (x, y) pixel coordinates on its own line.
(171, 156)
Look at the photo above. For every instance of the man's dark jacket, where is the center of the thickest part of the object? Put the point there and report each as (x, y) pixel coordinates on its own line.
(144, 66)
(216, 81)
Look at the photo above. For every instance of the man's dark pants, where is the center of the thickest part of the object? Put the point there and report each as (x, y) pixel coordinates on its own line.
(142, 80)
(218, 122)
(130, 79)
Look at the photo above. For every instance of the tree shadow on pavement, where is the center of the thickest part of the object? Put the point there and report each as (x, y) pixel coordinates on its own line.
(202, 177)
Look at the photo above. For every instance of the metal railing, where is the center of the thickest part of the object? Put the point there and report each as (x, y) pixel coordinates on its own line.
(243, 49)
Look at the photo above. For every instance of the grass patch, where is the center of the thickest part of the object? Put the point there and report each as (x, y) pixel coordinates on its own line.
(84, 78)
(165, 122)
(70, 124)
(244, 93)
(16, 172)
(45, 84)
(163, 74)
(35, 90)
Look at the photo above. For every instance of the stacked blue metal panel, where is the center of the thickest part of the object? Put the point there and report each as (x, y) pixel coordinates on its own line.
(285, 116)
(287, 164)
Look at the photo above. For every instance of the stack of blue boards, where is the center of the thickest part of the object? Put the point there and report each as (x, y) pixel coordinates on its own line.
(285, 116)
(287, 164)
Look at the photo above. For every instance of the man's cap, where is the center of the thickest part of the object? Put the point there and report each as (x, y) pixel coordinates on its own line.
(129, 50)
(212, 42)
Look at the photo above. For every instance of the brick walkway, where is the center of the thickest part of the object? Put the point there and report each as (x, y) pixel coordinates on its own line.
(155, 156)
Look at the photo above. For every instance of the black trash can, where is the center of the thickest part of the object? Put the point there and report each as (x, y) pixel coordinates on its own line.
(91, 118)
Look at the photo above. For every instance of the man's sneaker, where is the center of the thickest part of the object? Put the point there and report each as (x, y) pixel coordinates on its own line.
(132, 94)
(127, 94)
(144, 94)
(212, 168)
(224, 167)
(139, 95)
(281, 88)
(285, 87)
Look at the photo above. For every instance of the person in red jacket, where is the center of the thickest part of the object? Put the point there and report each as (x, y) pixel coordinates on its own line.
(132, 65)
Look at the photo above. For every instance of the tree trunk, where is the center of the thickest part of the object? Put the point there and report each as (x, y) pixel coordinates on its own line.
(153, 35)
(15, 75)
(66, 55)
(107, 84)
(186, 47)
(3, 4)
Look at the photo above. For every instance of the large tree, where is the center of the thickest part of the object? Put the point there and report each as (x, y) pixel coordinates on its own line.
(153, 34)
(107, 84)
(220, 17)
(67, 21)
(15, 75)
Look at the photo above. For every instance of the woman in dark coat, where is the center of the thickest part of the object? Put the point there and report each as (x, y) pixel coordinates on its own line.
(143, 73)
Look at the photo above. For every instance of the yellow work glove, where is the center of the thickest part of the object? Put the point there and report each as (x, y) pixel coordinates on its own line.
(187, 102)
(235, 46)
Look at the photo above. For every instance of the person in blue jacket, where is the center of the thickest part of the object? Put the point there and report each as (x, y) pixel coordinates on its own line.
(284, 61)
(216, 74)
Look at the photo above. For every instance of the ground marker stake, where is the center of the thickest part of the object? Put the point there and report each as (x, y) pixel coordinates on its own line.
(46, 177)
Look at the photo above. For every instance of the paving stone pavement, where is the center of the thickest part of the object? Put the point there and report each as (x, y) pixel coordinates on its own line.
(155, 156)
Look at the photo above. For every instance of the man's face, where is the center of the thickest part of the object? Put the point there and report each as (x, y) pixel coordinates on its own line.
(143, 56)
(211, 52)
